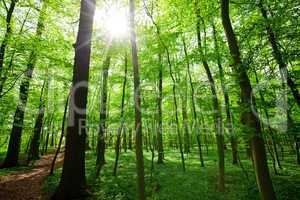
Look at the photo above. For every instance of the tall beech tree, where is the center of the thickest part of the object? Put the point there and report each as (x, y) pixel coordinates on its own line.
(137, 105)
(72, 182)
(248, 117)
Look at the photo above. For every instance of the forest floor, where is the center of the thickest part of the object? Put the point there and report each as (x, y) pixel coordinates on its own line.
(163, 182)
(168, 181)
(26, 183)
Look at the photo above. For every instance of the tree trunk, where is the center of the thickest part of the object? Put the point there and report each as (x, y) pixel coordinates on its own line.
(72, 183)
(34, 153)
(216, 106)
(124, 139)
(160, 147)
(13, 150)
(292, 129)
(196, 124)
(103, 114)
(233, 139)
(248, 117)
(173, 86)
(271, 132)
(185, 120)
(61, 136)
(137, 103)
(130, 139)
(117, 147)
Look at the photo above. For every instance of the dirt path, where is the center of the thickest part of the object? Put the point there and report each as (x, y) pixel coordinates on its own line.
(28, 185)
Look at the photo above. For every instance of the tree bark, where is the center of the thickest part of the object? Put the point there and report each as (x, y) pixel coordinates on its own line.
(72, 183)
(61, 136)
(34, 152)
(117, 147)
(130, 139)
(248, 117)
(137, 103)
(160, 147)
(103, 116)
(185, 119)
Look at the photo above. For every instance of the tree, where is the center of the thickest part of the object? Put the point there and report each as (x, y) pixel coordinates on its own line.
(72, 182)
(216, 105)
(160, 147)
(233, 139)
(196, 122)
(248, 117)
(61, 136)
(137, 105)
(121, 128)
(103, 115)
(35, 141)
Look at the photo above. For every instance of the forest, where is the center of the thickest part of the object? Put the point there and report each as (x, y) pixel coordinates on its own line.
(149, 99)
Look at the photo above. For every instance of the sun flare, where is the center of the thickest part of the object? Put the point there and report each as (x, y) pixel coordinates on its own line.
(112, 21)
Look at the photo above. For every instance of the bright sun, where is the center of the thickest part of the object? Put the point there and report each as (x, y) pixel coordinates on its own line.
(112, 21)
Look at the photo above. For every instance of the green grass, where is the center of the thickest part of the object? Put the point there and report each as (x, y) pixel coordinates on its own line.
(169, 182)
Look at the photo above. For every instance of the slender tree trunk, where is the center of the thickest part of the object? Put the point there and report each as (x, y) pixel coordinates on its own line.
(52, 135)
(61, 136)
(130, 139)
(117, 147)
(34, 152)
(196, 124)
(285, 75)
(103, 115)
(271, 132)
(13, 150)
(233, 139)
(45, 149)
(5, 40)
(294, 131)
(248, 117)
(72, 183)
(185, 120)
(124, 139)
(297, 144)
(137, 103)
(160, 147)
(173, 86)
(216, 106)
